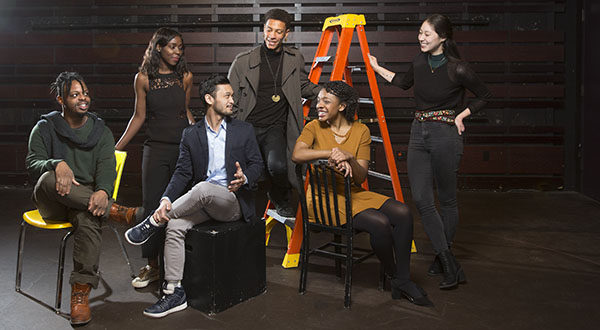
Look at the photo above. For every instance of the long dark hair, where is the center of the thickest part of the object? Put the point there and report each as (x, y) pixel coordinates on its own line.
(443, 27)
(151, 60)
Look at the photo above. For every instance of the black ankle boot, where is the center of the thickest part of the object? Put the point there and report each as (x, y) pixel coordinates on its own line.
(409, 290)
(450, 269)
(436, 267)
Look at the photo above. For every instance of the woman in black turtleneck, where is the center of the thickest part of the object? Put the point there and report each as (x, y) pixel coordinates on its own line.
(440, 79)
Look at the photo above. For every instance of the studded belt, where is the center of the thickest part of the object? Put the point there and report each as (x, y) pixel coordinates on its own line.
(445, 116)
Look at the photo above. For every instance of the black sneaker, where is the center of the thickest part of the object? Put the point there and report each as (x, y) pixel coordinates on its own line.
(139, 234)
(167, 304)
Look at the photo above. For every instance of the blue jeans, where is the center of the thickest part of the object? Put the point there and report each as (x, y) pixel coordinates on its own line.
(434, 153)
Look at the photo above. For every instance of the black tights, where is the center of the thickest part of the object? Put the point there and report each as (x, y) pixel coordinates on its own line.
(391, 233)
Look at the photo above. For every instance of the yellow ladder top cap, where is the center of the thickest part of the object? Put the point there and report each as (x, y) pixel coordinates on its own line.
(345, 21)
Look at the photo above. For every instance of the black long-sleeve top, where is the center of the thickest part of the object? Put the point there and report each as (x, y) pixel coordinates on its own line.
(444, 88)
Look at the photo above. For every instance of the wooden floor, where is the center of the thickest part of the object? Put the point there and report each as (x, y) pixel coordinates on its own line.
(532, 260)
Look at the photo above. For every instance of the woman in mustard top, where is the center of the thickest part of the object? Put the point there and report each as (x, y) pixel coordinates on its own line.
(345, 143)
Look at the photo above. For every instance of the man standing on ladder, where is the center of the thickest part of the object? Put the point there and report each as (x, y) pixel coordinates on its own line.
(269, 82)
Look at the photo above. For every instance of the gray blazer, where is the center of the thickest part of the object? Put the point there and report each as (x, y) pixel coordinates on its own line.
(244, 75)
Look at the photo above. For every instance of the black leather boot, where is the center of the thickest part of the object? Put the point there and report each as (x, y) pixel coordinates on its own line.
(450, 269)
(436, 267)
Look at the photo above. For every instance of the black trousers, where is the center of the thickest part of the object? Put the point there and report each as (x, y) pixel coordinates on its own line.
(158, 164)
(434, 153)
(273, 144)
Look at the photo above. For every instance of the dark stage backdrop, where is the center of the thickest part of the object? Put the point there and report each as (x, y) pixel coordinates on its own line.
(590, 164)
(517, 47)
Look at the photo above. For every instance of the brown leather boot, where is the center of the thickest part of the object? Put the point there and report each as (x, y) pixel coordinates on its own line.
(122, 214)
(80, 306)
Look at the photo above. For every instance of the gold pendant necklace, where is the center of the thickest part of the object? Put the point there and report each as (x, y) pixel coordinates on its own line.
(438, 64)
(340, 138)
(275, 97)
(429, 62)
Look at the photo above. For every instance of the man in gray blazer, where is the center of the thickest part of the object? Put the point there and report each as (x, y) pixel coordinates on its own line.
(269, 82)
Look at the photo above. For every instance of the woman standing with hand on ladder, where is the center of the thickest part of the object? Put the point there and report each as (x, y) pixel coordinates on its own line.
(440, 79)
(162, 94)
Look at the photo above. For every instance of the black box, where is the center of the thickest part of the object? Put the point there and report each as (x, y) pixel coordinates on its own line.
(224, 264)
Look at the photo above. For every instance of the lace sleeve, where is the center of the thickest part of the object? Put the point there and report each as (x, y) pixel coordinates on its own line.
(467, 77)
(406, 81)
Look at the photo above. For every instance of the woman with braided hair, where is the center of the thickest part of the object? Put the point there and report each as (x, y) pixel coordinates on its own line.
(345, 143)
(440, 79)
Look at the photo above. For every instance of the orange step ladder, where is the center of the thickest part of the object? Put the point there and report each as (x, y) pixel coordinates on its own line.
(343, 26)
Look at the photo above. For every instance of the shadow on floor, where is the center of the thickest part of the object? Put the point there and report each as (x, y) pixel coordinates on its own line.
(532, 260)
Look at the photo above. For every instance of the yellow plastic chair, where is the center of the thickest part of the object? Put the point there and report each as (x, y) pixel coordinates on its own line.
(34, 218)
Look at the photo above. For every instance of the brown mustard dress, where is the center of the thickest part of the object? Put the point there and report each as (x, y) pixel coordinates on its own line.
(319, 136)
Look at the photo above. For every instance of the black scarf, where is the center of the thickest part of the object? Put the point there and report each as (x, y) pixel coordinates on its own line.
(57, 134)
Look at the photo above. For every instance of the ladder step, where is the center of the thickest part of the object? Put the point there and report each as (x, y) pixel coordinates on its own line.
(321, 59)
(284, 220)
(368, 120)
(365, 100)
(380, 175)
(376, 139)
(354, 68)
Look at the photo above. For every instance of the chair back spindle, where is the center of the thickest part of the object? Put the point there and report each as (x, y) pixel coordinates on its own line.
(324, 191)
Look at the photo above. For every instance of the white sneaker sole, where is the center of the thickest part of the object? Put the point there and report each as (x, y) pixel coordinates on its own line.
(135, 243)
(165, 313)
(139, 284)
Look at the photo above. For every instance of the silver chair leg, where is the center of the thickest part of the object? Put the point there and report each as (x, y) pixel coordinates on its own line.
(20, 256)
(124, 250)
(61, 262)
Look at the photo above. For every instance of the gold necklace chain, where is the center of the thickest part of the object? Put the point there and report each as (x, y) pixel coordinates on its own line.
(341, 135)
(275, 97)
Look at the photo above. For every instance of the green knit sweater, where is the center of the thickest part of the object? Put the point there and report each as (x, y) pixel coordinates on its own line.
(94, 166)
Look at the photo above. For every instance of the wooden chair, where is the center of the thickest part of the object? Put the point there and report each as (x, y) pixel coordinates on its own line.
(34, 218)
(322, 178)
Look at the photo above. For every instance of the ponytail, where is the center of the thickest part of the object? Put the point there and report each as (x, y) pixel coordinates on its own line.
(451, 50)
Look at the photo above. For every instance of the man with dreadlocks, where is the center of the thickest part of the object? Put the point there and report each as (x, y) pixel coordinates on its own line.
(71, 155)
